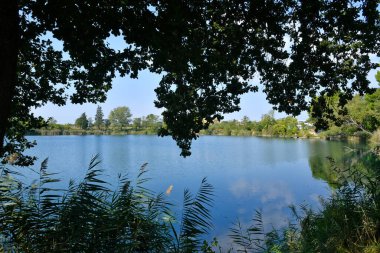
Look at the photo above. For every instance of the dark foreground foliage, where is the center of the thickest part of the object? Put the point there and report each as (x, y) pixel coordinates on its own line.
(90, 217)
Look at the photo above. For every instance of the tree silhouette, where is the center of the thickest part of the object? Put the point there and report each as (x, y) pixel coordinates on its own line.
(207, 52)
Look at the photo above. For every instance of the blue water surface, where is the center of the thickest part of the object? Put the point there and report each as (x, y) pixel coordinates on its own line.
(248, 173)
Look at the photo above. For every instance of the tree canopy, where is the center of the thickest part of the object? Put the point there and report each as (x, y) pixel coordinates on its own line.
(120, 116)
(361, 113)
(99, 121)
(82, 122)
(208, 53)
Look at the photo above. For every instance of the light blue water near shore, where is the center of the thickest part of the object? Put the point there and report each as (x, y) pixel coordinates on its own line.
(248, 173)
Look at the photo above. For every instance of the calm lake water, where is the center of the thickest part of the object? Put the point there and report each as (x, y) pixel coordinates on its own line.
(248, 173)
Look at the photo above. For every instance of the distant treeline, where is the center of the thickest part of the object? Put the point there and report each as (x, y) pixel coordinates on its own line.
(120, 121)
(267, 126)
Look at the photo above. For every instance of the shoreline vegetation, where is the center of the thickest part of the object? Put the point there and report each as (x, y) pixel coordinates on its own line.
(224, 128)
(120, 122)
(302, 134)
(268, 126)
(361, 120)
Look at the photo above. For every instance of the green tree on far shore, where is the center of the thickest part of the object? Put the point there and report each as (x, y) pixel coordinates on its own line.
(267, 120)
(361, 114)
(99, 121)
(82, 121)
(136, 124)
(120, 117)
(107, 123)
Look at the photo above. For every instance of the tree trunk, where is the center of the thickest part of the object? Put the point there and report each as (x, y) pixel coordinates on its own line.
(9, 41)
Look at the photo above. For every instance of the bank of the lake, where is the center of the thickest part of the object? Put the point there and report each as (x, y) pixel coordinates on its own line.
(75, 131)
(308, 133)
(267, 126)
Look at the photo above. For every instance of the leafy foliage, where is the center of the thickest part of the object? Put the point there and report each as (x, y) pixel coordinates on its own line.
(120, 117)
(267, 126)
(360, 114)
(196, 219)
(82, 122)
(208, 52)
(99, 121)
(326, 55)
(149, 124)
(250, 239)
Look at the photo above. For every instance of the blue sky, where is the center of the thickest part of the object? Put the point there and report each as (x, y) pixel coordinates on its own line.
(138, 95)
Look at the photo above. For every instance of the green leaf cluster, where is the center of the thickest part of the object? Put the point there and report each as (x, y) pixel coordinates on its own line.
(120, 117)
(99, 121)
(267, 126)
(82, 122)
(360, 114)
(208, 53)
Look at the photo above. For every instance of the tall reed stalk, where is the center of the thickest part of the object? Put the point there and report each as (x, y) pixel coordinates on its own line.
(91, 217)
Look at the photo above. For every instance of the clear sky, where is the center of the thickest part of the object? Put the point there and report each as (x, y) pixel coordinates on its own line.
(138, 95)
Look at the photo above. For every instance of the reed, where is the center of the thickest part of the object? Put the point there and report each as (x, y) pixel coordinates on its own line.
(91, 217)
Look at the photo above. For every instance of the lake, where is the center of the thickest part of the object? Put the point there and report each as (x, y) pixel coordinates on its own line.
(248, 173)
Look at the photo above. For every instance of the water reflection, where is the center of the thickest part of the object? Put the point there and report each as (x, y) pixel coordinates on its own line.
(331, 162)
(274, 201)
(267, 192)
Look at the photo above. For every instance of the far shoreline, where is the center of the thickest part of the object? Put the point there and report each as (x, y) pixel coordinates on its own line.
(91, 133)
